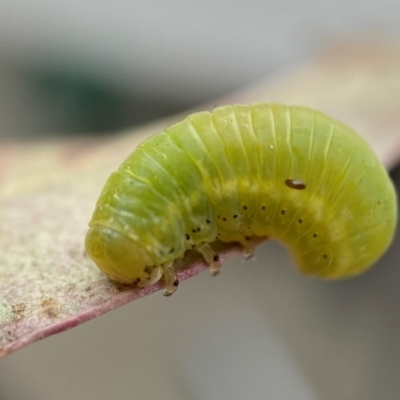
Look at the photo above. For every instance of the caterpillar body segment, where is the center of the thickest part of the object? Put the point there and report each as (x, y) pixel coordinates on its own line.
(237, 174)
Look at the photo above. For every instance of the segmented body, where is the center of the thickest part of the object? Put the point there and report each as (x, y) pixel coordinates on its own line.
(239, 172)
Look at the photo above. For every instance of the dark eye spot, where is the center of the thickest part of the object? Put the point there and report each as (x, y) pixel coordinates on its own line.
(325, 256)
(235, 216)
(314, 235)
(207, 221)
(300, 221)
(295, 184)
(263, 208)
(198, 229)
(187, 237)
(283, 212)
(194, 230)
(218, 217)
(224, 219)
(244, 207)
(148, 269)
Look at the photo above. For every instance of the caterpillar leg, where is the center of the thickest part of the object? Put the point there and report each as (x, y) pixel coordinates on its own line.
(211, 258)
(249, 245)
(171, 279)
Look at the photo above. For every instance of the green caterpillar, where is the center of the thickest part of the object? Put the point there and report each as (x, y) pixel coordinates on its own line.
(240, 173)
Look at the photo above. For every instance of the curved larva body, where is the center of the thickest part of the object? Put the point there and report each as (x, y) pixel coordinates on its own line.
(289, 173)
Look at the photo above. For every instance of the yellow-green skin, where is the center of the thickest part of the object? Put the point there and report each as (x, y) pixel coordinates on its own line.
(222, 174)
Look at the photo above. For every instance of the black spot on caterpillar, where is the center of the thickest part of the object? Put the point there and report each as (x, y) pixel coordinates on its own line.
(295, 184)
(198, 173)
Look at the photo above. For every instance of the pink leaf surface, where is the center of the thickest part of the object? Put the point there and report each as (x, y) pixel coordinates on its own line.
(48, 191)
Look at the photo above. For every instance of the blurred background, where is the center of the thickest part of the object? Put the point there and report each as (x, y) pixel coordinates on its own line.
(257, 331)
(92, 66)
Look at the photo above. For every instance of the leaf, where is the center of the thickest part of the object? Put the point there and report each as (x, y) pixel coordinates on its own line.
(48, 191)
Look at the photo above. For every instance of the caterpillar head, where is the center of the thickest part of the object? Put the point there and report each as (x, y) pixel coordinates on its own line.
(120, 257)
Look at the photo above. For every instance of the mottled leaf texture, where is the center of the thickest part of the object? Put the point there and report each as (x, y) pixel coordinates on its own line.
(48, 191)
